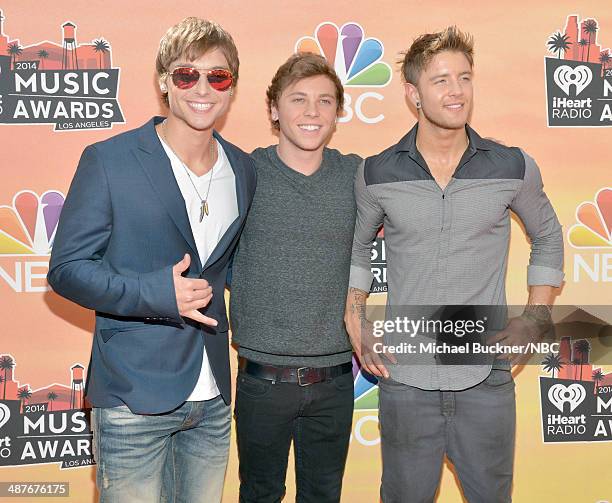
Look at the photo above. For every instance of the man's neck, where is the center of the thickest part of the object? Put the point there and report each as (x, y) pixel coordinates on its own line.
(193, 147)
(442, 150)
(434, 142)
(306, 162)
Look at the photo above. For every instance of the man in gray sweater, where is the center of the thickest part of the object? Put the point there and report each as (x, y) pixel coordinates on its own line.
(290, 278)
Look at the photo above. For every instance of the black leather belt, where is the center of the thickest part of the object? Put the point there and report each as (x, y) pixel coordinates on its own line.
(302, 376)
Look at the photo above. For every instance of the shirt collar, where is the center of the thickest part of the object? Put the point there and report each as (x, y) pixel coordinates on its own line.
(408, 142)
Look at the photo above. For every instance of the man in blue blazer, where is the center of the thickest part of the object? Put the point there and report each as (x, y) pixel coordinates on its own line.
(145, 238)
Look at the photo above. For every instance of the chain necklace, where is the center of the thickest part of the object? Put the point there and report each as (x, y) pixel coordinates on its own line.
(203, 201)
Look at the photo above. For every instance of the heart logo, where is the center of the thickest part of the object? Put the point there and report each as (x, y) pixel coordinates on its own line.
(580, 76)
(5, 414)
(574, 394)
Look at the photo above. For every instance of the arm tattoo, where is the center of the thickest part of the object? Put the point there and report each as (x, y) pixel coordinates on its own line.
(358, 304)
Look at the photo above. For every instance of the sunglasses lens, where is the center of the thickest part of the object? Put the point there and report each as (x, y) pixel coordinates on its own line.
(185, 78)
(220, 80)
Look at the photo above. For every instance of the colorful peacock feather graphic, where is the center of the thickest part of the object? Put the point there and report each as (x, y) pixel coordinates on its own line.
(366, 389)
(594, 229)
(28, 226)
(357, 60)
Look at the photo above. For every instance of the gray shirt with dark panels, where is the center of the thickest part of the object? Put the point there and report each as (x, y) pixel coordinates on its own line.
(291, 270)
(450, 247)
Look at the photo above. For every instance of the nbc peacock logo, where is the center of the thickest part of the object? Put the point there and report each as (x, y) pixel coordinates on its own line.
(594, 227)
(357, 60)
(366, 389)
(27, 227)
(366, 430)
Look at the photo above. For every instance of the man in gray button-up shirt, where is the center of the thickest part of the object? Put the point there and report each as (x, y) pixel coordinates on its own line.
(445, 195)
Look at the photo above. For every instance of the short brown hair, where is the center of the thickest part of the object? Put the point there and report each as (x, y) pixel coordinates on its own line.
(301, 66)
(191, 38)
(425, 47)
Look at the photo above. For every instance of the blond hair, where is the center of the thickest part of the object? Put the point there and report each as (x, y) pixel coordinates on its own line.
(190, 39)
(426, 46)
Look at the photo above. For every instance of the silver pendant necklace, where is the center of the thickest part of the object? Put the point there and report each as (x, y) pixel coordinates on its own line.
(203, 201)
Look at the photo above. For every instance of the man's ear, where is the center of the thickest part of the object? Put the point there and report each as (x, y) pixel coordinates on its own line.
(412, 93)
(163, 87)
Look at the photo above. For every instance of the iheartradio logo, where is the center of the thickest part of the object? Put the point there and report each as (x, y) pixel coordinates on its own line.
(5, 414)
(565, 77)
(559, 394)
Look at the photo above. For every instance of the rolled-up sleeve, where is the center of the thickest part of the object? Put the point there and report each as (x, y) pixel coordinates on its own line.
(534, 209)
(369, 219)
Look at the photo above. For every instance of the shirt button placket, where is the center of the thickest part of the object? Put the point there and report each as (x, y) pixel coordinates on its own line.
(444, 238)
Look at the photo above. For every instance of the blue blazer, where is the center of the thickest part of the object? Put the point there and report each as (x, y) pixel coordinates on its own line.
(122, 228)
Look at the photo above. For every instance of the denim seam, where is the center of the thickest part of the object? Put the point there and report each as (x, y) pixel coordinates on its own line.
(102, 482)
(298, 457)
(95, 435)
(173, 469)
(307, 397)
(448, 425)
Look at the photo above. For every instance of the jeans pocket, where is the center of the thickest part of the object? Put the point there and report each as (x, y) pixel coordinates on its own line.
(344, 382)
(390, 385)
(252, 387)
(498, 378)
(119, 414)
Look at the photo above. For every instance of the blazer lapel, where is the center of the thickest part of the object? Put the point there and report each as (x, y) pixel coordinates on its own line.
(242, 199)
(158, 169)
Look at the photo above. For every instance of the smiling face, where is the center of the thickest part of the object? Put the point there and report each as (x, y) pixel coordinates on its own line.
(306, 112)
(200, 106)
(444, 91)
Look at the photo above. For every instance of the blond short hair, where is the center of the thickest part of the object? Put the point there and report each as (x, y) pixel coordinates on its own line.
(426, 46)
(190, 39)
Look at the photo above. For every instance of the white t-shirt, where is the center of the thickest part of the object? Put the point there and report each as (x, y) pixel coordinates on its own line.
(223, 210)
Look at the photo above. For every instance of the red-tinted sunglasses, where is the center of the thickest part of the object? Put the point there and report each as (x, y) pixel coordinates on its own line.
(187, 77)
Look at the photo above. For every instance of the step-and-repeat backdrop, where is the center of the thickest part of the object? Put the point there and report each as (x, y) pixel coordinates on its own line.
(73, 73)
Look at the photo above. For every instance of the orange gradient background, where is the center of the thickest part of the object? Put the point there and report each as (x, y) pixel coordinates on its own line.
(46, 334)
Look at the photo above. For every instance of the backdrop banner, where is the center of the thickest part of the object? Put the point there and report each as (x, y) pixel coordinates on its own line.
(74, 73)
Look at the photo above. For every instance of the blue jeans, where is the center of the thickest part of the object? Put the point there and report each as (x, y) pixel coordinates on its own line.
(474, 428)
(176, 457)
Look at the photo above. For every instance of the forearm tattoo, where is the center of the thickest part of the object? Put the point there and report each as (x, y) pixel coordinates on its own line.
(358, 304)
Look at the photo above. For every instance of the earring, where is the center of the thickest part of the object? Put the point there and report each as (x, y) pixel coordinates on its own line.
(231, 92)
(418, 104)
(163, 89)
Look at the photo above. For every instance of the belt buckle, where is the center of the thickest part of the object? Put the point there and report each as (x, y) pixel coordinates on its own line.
(299, 376)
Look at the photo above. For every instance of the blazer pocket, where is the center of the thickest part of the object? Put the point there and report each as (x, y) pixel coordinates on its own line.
(107, 333)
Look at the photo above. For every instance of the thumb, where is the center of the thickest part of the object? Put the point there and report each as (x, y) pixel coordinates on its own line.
(183, 265)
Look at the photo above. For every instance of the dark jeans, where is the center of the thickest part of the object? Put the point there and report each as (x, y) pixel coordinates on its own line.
(474, 428)
(318, 418)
